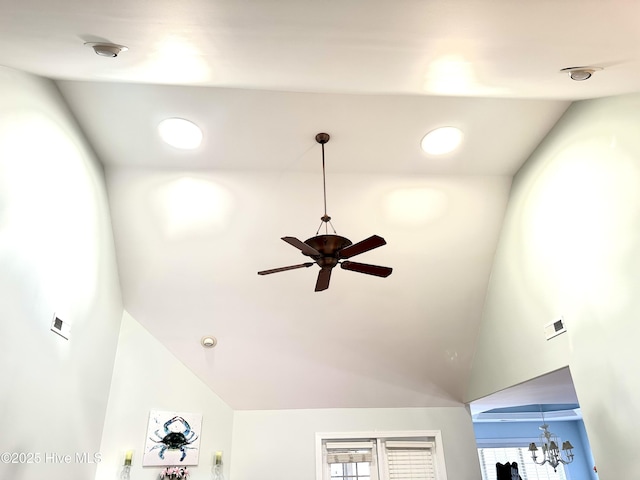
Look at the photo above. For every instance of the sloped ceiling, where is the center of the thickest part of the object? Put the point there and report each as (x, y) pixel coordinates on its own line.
(192, 228)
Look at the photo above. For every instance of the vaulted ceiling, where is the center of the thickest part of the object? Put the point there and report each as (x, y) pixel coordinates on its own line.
(261, 78)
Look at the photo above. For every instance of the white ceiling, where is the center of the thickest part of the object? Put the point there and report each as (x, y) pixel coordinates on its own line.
(261, 79)
(464, 47)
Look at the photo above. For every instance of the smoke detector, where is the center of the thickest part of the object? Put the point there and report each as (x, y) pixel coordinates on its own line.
(110, 50)
(580, 74)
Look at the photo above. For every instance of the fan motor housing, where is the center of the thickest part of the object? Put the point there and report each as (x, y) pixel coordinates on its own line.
(328, 246)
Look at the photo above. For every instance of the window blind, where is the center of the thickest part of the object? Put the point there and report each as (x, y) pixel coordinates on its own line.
(349, 452)
(527, 469)
(410, 460)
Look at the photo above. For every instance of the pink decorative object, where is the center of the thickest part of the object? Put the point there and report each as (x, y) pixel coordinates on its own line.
(175, 473)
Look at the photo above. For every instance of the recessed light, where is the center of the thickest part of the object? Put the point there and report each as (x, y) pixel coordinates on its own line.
(106, 49)
(580, 74)
(180, 133)
(208, 342)
(442, 140)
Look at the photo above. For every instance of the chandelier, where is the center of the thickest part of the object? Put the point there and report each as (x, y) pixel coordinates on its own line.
(551, 454)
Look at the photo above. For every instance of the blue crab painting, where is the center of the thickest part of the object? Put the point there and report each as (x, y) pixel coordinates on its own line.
(175, 434)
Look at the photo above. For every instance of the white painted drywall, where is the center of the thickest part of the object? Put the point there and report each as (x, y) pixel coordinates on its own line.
(148, 377)
(570, 246)
(280, 444)
(56, 255)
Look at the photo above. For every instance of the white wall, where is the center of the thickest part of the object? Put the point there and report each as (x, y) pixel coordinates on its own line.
(146, 377)
(262, 439)
(570, 246)
(56, 255)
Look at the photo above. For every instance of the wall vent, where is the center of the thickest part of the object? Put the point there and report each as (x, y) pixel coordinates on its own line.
(60, 327)
(555, 328)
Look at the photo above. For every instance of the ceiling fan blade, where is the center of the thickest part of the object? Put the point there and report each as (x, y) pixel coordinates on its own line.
(284, 269)
(374, 241)
(376, 270)
(323, 279)
(303, 247)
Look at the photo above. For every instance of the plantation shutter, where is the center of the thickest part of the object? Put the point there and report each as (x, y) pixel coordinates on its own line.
(410, 460)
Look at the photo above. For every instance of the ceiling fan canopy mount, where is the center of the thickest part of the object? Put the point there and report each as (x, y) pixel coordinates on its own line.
(323, 138)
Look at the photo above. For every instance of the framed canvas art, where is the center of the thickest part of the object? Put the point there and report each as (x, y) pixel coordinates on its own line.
(173, 438)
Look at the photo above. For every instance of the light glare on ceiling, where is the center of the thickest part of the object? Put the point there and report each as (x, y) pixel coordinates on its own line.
(192, 206)
(442, 140)
(176, 60)
(450, 74)
(180, 133)
(415, 206)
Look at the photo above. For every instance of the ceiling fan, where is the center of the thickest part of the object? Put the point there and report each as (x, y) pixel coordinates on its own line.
(329, 250)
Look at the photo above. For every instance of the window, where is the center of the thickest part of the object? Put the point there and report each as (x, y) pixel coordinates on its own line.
(350, 460)
(380, 456)
(527, 469)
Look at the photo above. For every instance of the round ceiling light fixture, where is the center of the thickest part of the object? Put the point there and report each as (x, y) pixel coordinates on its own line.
(580, 74)
(208, 342)
(442, 140)
(110, 50)
(180, 133)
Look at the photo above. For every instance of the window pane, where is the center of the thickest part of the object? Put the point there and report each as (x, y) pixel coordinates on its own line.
(336, 470)
(350, 471)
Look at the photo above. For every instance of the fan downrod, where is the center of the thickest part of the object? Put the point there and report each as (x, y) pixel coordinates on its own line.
(323, 138)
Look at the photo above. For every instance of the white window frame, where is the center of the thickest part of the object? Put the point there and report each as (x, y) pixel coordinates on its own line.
(379, 437)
